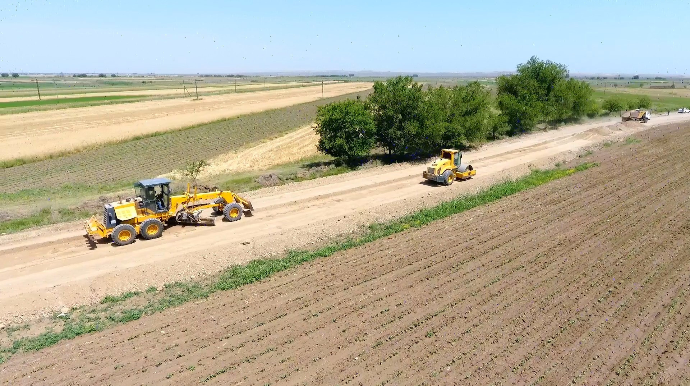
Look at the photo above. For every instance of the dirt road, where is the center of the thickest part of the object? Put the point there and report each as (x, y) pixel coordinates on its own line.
(581, 281)
(46, 132)
(44, 270)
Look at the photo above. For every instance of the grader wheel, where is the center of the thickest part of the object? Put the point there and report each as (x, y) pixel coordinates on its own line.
(233, 212)
(151, 229)
(124, 234)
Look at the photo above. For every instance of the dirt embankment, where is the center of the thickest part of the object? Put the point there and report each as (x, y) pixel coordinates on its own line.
(40, 133)
(580, 281)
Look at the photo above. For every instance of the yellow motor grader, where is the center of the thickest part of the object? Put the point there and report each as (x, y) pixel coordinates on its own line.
(154, 205)
(448, 167)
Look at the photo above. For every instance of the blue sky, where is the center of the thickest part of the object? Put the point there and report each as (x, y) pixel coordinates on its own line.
(204, 36)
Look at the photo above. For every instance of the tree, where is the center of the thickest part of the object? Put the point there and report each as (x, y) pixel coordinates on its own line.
(457, 117)
(397, 107)
(15, 75)
(541, 92)
(644, 102)
(346, 130)
(193, 170)
(613, 104)
(101, 75)
(5, 75)
(113, 75)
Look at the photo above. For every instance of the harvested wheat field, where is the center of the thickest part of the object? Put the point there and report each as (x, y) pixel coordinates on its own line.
(41, 133)
(583, 281)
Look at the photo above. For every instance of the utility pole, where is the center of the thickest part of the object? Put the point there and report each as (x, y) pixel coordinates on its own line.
(322, 88)
(38, 89)
(235, 85)
(196, 90)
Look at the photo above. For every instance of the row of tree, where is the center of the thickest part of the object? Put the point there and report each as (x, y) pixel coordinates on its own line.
(7, 75)
(407, 120)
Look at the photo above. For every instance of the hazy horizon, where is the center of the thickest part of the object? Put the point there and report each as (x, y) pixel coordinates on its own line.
(595, 37)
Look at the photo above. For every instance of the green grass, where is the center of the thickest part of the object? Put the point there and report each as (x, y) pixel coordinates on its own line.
(156, 154)
(97, 318)
(659, 103)
(57, 101)
(44, 216)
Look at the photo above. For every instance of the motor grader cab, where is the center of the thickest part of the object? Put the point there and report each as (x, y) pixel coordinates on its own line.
(154, 205)
(448, 167)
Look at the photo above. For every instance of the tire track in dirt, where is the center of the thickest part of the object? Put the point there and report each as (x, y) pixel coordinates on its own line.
(34, 272)
(482, 297)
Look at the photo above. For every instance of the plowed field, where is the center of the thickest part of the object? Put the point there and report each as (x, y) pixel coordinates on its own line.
(583, 280)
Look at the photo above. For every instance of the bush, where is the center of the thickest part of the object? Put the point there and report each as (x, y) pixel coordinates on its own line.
(644, 102)
(346, 130)
(613, 104)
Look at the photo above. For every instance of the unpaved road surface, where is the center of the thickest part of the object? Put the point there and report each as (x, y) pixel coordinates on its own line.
(45, 132)
(581, 281)
(46, 269)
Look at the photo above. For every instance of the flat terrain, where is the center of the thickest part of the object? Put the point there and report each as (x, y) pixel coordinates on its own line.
(47, 132)
(581, 281)
(170, 90)
(45, 269)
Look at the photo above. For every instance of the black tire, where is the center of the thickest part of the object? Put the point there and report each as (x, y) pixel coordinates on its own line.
(233, 212)
(151, 229)
(217, 209)
(448, 177)
(124, 234)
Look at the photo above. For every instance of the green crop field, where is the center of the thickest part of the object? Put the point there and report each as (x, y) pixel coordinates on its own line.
(57, 101)
(122, 163)
(660, 102)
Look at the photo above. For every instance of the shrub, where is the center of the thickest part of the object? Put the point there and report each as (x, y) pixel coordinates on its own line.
(613, 104)
(346, 130)
(644, 102)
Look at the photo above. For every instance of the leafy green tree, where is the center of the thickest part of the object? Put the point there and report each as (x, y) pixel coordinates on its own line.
(15, 75)
(346, 130)
(5, 75)
(613, 104)
(541, 92)
(644, 102)
(460, 116)
(397, 106)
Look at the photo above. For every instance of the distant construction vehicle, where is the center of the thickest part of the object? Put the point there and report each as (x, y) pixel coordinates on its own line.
(154, 205)
(636, 115)
(448, 167)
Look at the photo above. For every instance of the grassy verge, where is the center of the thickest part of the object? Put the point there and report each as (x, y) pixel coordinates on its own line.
(62, 199)
(57, 101)
(659, 103)
(114, 310)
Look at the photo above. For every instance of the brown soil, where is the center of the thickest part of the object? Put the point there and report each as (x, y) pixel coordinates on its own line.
(43, 270)
(580, 281)
(40, 133)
